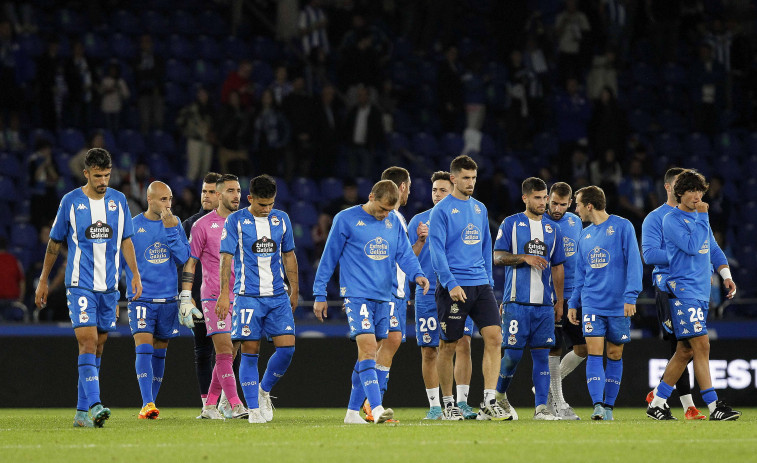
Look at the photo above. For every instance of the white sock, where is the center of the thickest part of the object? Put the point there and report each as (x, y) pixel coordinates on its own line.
(433, 397)
(449, 400)
(687, 401)
(462, 392)
(204, 399)
(222, 399)
(569, 363)
(658, 401)
(712, 406)
(500, 395)
(353, 413)
(490, 395)
(261, 391)
(555, 380)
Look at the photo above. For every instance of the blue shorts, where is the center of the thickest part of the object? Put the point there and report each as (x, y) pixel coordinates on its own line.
(528, 325)
(259, 317)
(367, 316)
(617, 330)
(159, 318)
(689, 317)
(90, 308)
(398, 316)
(427, 330)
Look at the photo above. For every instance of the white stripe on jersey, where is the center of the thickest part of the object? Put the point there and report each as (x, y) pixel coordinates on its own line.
(241, 257)
(119, 237)
(401, 276)
(537, 287)
(281, 260)
(75, 271)
(263, 228)
(99, 272)
(514, 249)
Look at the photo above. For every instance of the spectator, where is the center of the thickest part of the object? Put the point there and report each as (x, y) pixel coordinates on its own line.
(281, 86)
(474, 92)
(319, 233)
(575, 168)
(387, 102)
(616, 16)
(608, 128)
(572, 112)
(12, 64)
(51, 85)
(329, 119)
(271, 135)
(535, 61)
(360, 27)
(364, 131)
(636, 195)
(603, 74)
(43, 182)
(196, 123)
(135, 206)
(606, 172)
(707, 78)
(571, 27)
(12, 285)
(361, 62)
(76, 163)
(139, 179)
(450, 90)
(719, 206)
(663, 21)
(186, 204)
(349, 198)
(313, 25)
(300, 110)
(239, 81)
(234, 135)
(11, 138)
(80, 83)
(149, 75)
(114, 92)
(519, 88)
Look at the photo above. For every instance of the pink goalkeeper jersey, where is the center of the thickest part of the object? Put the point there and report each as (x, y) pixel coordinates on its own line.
(205, 246)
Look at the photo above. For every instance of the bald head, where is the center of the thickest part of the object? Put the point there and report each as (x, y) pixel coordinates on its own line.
(159, 198)
(157, 188)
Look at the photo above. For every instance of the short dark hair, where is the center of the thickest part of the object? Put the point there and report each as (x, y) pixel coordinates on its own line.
(562, 190)
(592, 195)
(386, 190)
(689, 181)
(99, 158)
(396, 174)
(672, 173)
(532, 184)
(263, 186)
(462, 162)
(211, 178)
(225, 178)
(440, 175)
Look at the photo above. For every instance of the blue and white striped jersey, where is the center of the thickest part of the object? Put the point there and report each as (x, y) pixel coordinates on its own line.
(159, 250)
(518, 234)
(256, 244)
(93, 230)
(400, 285)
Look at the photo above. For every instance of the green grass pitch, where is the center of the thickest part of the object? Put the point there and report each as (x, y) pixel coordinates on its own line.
(319, 435)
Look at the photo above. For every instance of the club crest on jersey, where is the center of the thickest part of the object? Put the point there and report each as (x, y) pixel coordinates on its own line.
(221, 324)
(705, 247)
(476, 209)
(471, 234)
(426, 338)
(499, 234)
(599, 258)
(588, 235)
(569, 246)
(366, 324)
(512, 340)
(99, 232)
(548, 228)
(610, 231)
(141, 324)
(223, 233)
(571, 222)
(588, 327)
(697, 327)
(454, 308)
(246, 330)
(112, 206)
(275, 221)
(157, 253)
(377, 248)
(83, 318)
(264, 245)
(388, 223)
(535, 247)
(394, 322)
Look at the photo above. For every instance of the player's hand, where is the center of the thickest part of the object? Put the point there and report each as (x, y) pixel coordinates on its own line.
(40, 295)
(321, 310)
(169, 220)
(294, 297)
(136, 285)
(731, 287)
(629, 310)
(572, 316)
(222, 307)
(422, 231)
(423, 283)
(703, 207)
(536, 262)
(187, 309)
(457, 294)
(558, 309)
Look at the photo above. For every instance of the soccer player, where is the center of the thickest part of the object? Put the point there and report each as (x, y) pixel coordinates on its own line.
(461, 255)
(531, 247)
(160, 245)
(688, 243)
(560, 200)
(260, 241)
(205, 245)
(607, 284)
(366, 241)
(95, 222)
(192, 317)
(426, 317)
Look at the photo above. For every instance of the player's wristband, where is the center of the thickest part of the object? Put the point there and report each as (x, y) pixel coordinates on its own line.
(185, 295)
(725, 273)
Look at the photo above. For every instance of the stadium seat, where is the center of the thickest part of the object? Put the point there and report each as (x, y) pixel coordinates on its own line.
(398, 142)
(181, 47)
(205, 72)
(428, 73)
(162, 142)
(512, 167)
(23, 234)
(131, 141)
(154, 22)
(488, 146)
(8, 191)
(126, 22)
(303, 213)
(751, 166)
(305, 189)
(176, 71)
(183, 22)
(546, 145)
(645, 74)
(403, 49)
(426, 97)
(236, 48)
(425, 145)
(452, 144)
(70, 22)
(31, 44)
(212, 23)
(10, 166)
(698, 144)
(176, 94)
(282, 191)
(123, 46)
(421, 189)
(671, 121)
(640, 121)
(700, 163)
(331, 188)
(24, 254)
(262, 73)
(730, 144)
(673, 73)
(641, 97)
(751, 143)
(160, 167)
(668, 144)
(403, 75)
(95, 45)
(71, 140)
(265, 49)
(364, 187)
(729, 168)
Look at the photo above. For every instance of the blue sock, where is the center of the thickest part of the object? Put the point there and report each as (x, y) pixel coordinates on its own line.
(595, 378)
(357, 394)
(369, 379)
(382, 373)
(540, 375)
(277, 366)
(709, 395)
(143, 365)
(158, 368)
(248, 377)
(507, 368)
(664, 390)
(613, 375)
(89, 379)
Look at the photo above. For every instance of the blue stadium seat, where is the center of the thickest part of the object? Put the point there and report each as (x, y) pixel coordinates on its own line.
(181, 47)
(698, 144)
(154, 22)
(71, 140)
(302, 237)
(331, 188)
(123, 46)
(282, 191)
(404, 122)
(24, 254)
(546, 145)
(498, 73)
(205, 72)
(178, 184)
(162, 142)
(641, 97)
(212, 23)
(126, 22)
(262, 73)
(488, 146)
(305, 189)
(671, 121)
(700, 163)
(364, 187)
(398, 142)
(675, 98)
(183, 22)
(428, 73)
(70, 22)
(639, 121)
(8, 192)
(512, 167)
(452, 144)
(10, 166)
(31, 44)
(303, 213)
(402, 49)
(751, 142)
(673, 73)
(749, 210)
(160, 167)
(95, 45)
(730, 144)
(751, 166)
(176, 94)
(176, 71)
(425, 144)
(668, 144)
(131, 141)
(426, 97)
(208, 48)
(645, 74)
(236, 49)
(265, 49)
(403, 75)
(23, 234)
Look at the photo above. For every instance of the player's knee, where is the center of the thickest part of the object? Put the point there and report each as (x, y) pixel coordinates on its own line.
(580, 350)
(447, 348)
(463, 346)
(511, 358)
(429, 354)
(286, 353)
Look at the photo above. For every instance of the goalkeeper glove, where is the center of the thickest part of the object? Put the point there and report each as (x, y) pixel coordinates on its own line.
(187, 310)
